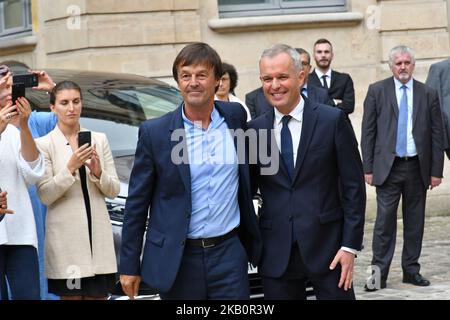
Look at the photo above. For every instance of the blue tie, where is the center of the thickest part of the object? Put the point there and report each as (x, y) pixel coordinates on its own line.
(402, 126)
(286, 146)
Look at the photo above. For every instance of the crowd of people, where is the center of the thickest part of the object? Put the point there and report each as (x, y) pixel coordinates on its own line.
(190, 227)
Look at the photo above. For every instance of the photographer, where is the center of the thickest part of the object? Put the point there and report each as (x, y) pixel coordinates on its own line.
(22, 165)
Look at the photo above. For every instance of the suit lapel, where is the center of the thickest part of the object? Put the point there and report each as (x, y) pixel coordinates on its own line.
(333, 79)
(269, 118)
(416, 102)
(183, 168)
(309, 123)
(392, 97)
(314, 79)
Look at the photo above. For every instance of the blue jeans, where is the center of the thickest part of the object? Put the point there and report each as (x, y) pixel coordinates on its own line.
(19, 269)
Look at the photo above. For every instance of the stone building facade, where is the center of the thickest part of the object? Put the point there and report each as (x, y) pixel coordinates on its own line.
(144, 36)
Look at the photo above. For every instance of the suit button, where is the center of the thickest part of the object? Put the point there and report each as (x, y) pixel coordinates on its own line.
(188, 216)
(290, 218)
(182, 243)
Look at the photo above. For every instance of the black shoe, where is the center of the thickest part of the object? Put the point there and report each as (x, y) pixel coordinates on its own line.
(415, 279)
(374, 288)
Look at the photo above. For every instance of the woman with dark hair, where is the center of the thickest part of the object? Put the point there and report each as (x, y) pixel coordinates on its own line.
(21, 164)
(228, 82)
(80, 256)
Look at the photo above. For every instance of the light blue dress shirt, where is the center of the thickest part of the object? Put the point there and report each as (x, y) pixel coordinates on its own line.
(214, 172)
(411, 146)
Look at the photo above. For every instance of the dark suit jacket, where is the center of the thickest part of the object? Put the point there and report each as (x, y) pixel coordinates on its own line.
(165, 187)
(328, 160)
(379, 130)
(439, 79)
(258, 104)
(341, 87)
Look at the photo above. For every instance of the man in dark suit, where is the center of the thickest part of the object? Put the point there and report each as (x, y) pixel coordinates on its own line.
(402, 149)
(309, 231)
(258, 104)
(202, 228)
(439, 79)
(339, 85)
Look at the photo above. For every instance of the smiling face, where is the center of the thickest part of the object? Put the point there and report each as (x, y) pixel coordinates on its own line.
(197, 84)
(67, 107)
(281, 82)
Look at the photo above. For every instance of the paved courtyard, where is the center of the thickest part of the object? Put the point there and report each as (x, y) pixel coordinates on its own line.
(435, 265)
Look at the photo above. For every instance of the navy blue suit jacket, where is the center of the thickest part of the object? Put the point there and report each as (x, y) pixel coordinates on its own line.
(258, 104)
(326, 199)
(161, 190)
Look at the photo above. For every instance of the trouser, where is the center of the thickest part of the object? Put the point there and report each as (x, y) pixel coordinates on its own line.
(403, 181)
(216, 273)
(20, 270)
(291, 285)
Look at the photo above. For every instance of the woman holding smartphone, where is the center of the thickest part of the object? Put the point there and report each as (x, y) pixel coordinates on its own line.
(80, 256)
(21, 164)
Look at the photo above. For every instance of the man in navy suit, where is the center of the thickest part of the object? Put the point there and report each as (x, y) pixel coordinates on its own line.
(338, 84)
(258, 104)
(202, 228)
(312, 214)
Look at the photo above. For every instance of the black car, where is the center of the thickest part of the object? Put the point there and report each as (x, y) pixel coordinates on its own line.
(116, 104)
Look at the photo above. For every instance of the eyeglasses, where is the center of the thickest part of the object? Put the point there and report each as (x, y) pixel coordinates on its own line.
(305, 63)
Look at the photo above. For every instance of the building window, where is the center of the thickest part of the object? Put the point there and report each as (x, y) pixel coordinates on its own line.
(15, 17)
(240, 8)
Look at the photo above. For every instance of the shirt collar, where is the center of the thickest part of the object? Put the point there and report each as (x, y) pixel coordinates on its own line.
(215, 117)
(296, 113)
(398, 84)
(320, 73)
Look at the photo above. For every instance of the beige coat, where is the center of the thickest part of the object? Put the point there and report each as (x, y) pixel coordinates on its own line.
(67, 248)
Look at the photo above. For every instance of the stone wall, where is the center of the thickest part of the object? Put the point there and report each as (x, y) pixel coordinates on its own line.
(143, 37)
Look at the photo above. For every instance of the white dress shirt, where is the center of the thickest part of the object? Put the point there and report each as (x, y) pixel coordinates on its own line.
(320, 74)
(411, 150)
(295, 126)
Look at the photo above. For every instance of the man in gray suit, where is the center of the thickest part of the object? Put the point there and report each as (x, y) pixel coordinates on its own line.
(439, 79)
(402, 149)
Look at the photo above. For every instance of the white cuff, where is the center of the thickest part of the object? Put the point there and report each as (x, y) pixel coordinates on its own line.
(349, 250)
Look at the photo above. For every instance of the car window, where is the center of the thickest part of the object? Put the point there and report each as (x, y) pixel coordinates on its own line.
(118, 110)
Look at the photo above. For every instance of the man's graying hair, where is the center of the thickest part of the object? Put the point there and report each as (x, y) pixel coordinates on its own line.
(401, 50)
(283, 48)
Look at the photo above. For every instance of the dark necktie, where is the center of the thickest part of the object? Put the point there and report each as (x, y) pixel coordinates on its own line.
(304, 92)
(287, 153)
(325, 84)
(402, 125)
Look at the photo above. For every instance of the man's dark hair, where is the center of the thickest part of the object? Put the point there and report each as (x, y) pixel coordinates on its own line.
(198, 53)
(306, 53)
(64, 85)
(231, 70)
(323, 40)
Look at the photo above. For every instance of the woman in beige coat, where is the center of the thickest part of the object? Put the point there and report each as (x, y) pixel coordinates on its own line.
(80, 257)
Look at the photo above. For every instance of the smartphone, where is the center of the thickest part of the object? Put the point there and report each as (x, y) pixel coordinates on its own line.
(18, 90)
(83, 138)
(29, 80)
